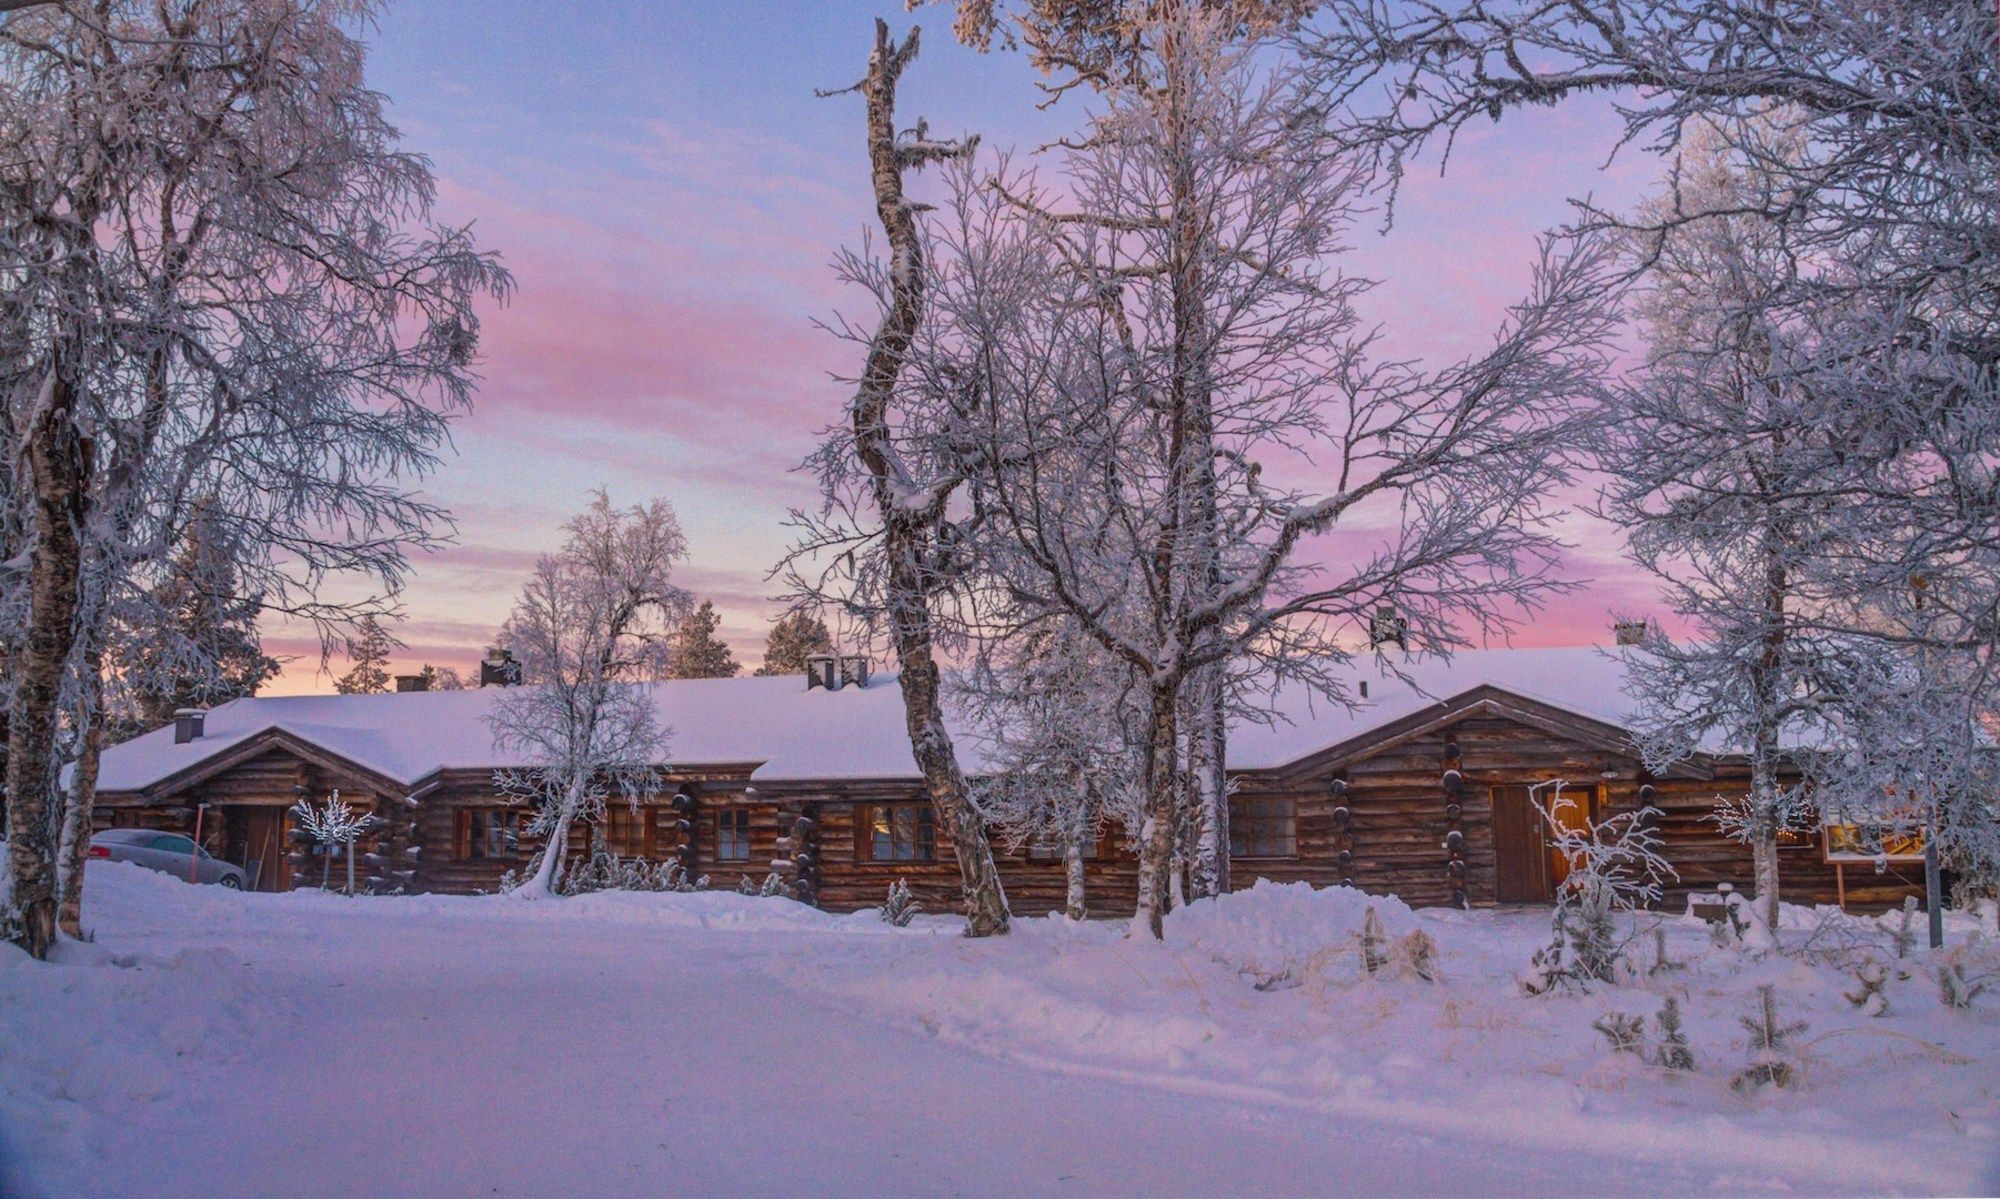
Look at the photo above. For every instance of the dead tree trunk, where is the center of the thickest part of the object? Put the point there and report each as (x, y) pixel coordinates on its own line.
(57, 469)
(909, 530)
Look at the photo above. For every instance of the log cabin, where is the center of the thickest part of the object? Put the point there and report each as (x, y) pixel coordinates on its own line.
(1420, 788)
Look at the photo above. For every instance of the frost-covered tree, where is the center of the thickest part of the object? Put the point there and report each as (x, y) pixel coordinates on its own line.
(698, 652)
(885, 543)
(794, 637)
(368, 650)
(224, 286)
(1726, 469)
(1057, 715)
(1874, 122)
(1614, 866)
(334, 827)
(197, 644)
(593, 626)
(1140, 356)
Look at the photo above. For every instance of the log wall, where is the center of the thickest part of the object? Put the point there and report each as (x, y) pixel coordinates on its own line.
(1383, 822)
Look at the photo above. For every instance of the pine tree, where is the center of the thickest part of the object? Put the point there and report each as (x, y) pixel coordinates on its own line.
(793, 637)
(368, 649)
(1674, 1052)
(698, 652)
(1773, 1061)
(206, 650)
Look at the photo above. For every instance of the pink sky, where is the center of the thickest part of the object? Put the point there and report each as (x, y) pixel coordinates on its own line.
(668, 195)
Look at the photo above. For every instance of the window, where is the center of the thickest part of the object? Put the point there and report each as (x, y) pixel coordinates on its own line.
(901, 833)
(1047, 846)
(174, 843)
(1263, 828)
(626, 831)
(732, 835)
(487, 834)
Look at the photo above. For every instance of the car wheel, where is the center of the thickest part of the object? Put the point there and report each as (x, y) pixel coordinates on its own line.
(231, 881)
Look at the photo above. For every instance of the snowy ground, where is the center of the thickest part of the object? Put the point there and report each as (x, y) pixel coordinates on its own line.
(223, 1044)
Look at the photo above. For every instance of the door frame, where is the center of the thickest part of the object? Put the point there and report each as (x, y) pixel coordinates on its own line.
(1513, 815)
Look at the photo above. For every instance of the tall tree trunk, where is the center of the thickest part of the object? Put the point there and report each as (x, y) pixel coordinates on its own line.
(1156, 832)
(1209, 785)
(74, 849)
(57, 468)
(543, 881)
(1764, 821)
(1074, 905)
(908, 533)
(1768, 681)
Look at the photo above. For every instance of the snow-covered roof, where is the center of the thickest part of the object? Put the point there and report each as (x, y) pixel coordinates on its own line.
(790, 734)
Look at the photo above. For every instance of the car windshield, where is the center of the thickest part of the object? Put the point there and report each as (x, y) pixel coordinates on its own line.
(121, 836)
(173, 844)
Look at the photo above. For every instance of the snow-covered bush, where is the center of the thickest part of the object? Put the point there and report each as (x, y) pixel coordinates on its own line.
(1965, 972)
(1626, 1034)
(1284, 935)
(1615, 866)
(1773, 1061)
(1414, 957)
(1870, 979)
(901, 907)
(609, 872)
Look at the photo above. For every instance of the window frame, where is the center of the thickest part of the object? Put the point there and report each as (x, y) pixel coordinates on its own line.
(734, 814)
(463, 837)
(1241, 821)
(923, 840)
(621, 822)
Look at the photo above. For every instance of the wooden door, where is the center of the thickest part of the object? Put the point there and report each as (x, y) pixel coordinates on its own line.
(267, 849)
(1520, 850)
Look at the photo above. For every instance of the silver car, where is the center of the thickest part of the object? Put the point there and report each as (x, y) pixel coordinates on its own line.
(169, 853)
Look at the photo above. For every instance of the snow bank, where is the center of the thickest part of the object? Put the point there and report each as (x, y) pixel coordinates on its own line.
(471, 1043)
(1285, 934)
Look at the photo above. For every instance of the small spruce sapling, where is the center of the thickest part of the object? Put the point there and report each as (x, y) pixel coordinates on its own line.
(1903, 935)
(1414, 956)
(1627, 1034)
(1961, 979)
(1673, 1051)
(1373, 942)
(1773, 1062)
(1662, 964)
(1870, 996)
(774, 887)
(901, 907)
(745, 887)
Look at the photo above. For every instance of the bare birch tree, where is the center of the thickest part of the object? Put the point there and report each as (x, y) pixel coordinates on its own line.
(1729, 481)
(1113, 366)
(1058, 722)
(887, 512)
(594, 625)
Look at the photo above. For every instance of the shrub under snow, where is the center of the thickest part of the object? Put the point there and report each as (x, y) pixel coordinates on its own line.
(1279, 935)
